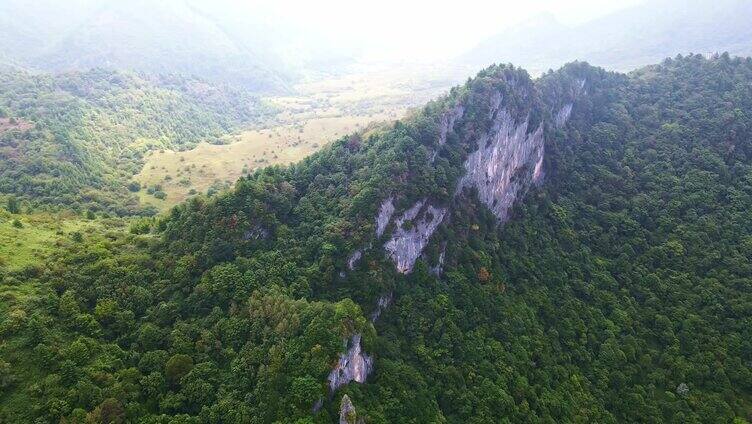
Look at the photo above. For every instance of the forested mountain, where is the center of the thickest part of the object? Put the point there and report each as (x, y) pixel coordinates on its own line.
(574, 248)
(218, 41)
(627, 39)
(76, 139)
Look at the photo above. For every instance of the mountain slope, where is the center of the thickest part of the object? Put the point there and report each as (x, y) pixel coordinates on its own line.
(626, 39)
(81, 136)
(571, 248)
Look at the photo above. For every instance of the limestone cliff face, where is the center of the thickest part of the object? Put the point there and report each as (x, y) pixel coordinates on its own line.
(448, 120)
(408, 241)
(438, 268)
(385, 215)
(353, 365)
(509, 157)
(386, 210)
(507, 160)
(354, 258)
(384, 301)
(562, 115)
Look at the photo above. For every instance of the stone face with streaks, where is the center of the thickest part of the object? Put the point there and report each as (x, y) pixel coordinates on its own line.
(563, 115)
(439, 267)
(384, 301)
(354, 258)
(508, 158)
(385, 215)
(353, 365)
(407, 244)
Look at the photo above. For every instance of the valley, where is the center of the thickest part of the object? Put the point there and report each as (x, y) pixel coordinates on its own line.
(323, 109)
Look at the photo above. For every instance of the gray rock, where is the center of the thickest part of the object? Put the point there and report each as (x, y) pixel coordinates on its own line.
(347, 414)
(353, 365)
(257, 232)
(682, 389)
(563, 115)
(439, 267)
(317, 406)
(384, 301)
(385, 214)
(353, 259)
(406, 245)
(448, 119)
(507, 160)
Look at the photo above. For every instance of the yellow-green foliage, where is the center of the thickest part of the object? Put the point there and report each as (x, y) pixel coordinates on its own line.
(39, 236)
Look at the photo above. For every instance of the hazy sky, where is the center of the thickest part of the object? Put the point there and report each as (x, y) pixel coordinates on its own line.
(424, 28)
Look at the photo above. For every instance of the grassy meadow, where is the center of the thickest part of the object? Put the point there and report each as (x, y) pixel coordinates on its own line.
(321, 111)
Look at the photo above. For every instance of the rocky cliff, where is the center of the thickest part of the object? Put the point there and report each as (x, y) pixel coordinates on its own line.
(508, 159)
(505, 157)
(412, 231)
(353, 365)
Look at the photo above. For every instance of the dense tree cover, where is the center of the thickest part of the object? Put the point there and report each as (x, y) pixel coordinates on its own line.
(76, 139)
(618, 292)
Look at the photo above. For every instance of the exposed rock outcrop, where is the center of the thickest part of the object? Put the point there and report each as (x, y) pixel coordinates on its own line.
(439, 267)
(353, 365)
(508, 158)
(256, 232)
(563, 115)
(386, 210)
(347, 414)
(407, 244)
(354, 258)
(385, 215)
(448, 119)
(384, 301)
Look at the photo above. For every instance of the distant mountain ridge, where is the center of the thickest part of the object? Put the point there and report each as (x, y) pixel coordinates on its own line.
(167, 36)
(626, 39)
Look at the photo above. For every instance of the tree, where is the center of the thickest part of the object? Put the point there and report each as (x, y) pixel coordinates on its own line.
(178, 366)
(13, 205)
(6, 376)
(109, 411)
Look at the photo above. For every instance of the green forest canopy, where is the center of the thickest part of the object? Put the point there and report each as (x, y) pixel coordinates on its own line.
(80, 137)
(618, 292)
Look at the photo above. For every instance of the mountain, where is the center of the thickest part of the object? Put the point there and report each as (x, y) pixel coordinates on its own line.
(190, 37)
(626, 39)
(80, 137)
(569, 248)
